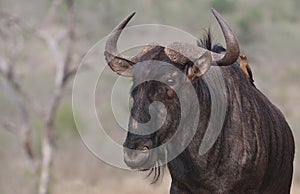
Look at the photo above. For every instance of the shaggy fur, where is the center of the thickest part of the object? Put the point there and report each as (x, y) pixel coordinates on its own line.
(253, 153)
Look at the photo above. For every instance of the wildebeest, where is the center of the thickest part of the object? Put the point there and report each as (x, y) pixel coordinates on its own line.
(254, 151)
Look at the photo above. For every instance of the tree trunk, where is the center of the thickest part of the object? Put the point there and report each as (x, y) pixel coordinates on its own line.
(47, 158)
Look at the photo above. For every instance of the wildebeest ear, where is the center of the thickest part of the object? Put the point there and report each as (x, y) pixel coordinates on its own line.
(200, 66)
(119, 65)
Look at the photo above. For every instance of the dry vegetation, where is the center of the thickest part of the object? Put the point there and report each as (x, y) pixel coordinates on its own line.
(269, 33)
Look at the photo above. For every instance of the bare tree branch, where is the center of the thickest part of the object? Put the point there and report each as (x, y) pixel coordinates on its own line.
(52, 44)
(24, 131)
(48, 19)
(12, 88)
(71, 36)
(7, 63)
(9, 126)
(65, 69)
(62, 75)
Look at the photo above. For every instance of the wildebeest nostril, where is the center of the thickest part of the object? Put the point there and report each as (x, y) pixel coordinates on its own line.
(136, 158)
(145, 149)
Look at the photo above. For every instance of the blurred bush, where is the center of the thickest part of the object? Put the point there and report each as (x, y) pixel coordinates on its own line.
(224, 6)
(248, 24)
(65, 123)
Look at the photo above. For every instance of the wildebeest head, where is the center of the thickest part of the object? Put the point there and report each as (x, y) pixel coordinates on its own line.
(157, 73)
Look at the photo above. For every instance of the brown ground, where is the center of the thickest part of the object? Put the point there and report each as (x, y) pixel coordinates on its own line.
(76, 171)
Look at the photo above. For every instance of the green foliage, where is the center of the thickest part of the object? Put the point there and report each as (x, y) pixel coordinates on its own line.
(248, 23)
(281, 13)
(224, 6)
(65, 123)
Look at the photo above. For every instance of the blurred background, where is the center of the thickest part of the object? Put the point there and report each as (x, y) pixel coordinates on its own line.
(42, 42)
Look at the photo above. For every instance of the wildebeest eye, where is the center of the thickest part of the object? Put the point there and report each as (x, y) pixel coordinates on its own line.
(171, 82)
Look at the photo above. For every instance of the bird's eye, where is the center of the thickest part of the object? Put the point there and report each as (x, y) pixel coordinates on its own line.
(171, 82)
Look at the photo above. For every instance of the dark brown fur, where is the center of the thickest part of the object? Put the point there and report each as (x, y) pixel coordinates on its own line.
(254, 151)
(253, 154)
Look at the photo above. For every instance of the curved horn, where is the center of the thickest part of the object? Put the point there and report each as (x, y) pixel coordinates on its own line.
(121, 64)
(232, 45)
